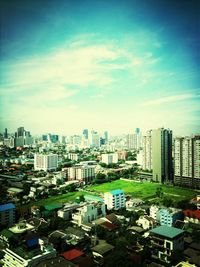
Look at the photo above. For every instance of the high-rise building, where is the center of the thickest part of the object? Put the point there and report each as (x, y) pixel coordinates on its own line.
(147, 152)
(45, 162)
(187, 161)
(7, 214)
(94, 139)
(162, 155)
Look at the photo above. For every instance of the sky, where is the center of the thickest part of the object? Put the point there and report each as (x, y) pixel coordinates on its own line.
(104, 65)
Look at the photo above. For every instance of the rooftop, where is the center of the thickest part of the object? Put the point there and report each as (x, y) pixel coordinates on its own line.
(8, 206)
(116, 192)
(72, 254)
(52, 207)
(102, 247)
(167, 231)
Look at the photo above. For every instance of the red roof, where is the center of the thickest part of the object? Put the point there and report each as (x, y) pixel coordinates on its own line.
(72, 254)
(108, 226)
(192, 213)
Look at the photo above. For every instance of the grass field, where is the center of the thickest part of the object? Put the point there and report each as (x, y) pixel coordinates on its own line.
(145, 191)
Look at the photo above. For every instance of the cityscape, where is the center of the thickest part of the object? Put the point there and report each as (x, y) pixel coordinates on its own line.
(100, 133)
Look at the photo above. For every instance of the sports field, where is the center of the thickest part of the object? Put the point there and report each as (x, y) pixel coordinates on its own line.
(145, 190)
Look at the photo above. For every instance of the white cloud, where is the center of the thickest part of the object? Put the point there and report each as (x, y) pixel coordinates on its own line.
(168, 99)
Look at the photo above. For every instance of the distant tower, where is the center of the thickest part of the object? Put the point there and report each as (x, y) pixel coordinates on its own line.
(6, 133)
(137, 130)
(20, 132)
(85, 133)
(106, 136)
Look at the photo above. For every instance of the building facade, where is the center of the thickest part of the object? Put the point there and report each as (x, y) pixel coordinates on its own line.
(187, 161)
(83, 173)
(109, 158)
(7, 214)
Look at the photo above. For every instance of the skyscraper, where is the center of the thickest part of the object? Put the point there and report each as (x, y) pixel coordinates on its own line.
(6, 133)
(162, 155)
(20, 132)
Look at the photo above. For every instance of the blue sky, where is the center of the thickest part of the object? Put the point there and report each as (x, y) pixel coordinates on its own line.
(107, 65)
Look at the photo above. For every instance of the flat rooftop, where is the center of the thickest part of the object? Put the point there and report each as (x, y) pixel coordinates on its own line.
(167, 231)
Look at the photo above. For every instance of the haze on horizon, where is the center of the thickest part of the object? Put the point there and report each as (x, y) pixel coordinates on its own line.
(108, 65)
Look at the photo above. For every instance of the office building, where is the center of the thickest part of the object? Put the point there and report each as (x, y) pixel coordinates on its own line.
(7, 214)
(45, 162)
(115, 199)
(187, 161)
(162, 155)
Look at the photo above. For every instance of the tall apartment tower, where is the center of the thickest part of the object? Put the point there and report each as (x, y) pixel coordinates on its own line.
(187, 161)
(147, 152)
(162, 155)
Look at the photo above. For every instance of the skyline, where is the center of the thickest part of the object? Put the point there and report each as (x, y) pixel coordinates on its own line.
(106, 65)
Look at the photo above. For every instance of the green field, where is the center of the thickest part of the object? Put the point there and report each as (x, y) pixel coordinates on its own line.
(145, 191)
(57, 199)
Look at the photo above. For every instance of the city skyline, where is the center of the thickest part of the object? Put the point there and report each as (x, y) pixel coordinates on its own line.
(106, 65)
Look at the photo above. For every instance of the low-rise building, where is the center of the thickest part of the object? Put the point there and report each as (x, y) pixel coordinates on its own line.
(146, 222)
(115, 199)
(192, 216)
(109, 158)
(169, 216)
(19, 257)
(88, 213)
(166, 240)
(153, 211)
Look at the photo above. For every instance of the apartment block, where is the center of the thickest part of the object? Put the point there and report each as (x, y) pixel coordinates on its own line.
(46, 162)
(83, 173)
(115, 199)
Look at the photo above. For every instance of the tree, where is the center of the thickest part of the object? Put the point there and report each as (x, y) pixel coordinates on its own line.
(159, 192)
(100, 178)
